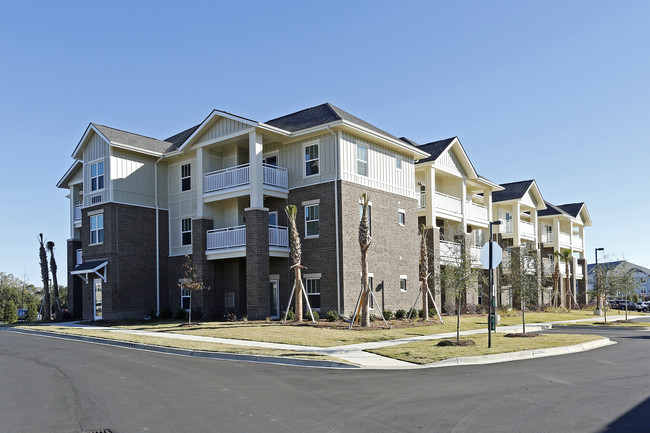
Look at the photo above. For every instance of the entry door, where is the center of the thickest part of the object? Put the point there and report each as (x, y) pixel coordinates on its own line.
(97, 298)
(274, 287)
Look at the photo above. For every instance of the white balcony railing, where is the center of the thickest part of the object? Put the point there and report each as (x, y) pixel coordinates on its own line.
(475, 254)
(278, 236)
(423, 200)
(448, 203)
(77, 213)
(476, 211)
(233, 177)
(79, 257)
(547, 266)
(449, 250)
(233, 237)
(547, 237)
(526, 229)
(565, 238)
(579, 273)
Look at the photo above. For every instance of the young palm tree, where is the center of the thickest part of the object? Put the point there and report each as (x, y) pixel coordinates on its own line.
(295, 251)
(424, 273)
(364, 244)
(566, 257)
(556, 282)
(57, 304)
(45, 277)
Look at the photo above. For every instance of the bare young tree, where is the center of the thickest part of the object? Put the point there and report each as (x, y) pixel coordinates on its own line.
(524, 278)
(191, 281)
(45, 277)
(53, 268)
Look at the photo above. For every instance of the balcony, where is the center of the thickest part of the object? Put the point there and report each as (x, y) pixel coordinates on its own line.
(448, 203)
(526, 229)
(235, 181)
(76, 215)
(547, 266)
(565, 239)
(579, 273)
(231, 242)
(423, 200)
(449, 252)
(547, 237)
(476, 211)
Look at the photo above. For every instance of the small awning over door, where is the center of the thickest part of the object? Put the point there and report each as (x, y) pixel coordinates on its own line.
(93, 267)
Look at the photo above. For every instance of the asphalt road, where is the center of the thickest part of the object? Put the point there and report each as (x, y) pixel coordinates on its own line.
(54, 385)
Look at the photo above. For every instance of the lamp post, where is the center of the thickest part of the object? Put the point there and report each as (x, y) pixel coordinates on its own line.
(492, 307)
(598, 311)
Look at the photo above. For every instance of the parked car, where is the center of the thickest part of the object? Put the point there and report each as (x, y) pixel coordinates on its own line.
(22, 314)
(630, 305)
(643, 306)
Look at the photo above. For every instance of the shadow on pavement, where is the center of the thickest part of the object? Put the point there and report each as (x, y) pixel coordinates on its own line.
(634, 420)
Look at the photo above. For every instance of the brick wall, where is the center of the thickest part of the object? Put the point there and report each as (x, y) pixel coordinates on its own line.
(257, 263)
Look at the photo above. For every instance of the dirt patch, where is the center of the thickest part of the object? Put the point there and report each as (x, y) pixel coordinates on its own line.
(520, 335)
(625, 321)
(447, 343)
(189, 325)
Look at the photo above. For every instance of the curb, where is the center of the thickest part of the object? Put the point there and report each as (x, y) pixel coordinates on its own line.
(524, 354)
(195, 353)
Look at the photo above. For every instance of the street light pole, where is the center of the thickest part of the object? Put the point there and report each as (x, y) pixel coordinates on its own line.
(492, 307)
(597, 311)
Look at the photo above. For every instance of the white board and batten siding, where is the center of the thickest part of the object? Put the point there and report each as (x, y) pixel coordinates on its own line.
(182, 204)
(449, 162)
(383, 173)
(133, 179)
(95, 150)
(292, 157)
(221, 128)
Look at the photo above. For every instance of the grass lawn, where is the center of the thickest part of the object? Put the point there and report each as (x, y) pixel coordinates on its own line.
(182, 344)
(426, 352)
(609, 323)
(322, 336)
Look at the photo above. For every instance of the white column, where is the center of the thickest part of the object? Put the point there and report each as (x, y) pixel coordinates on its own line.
(255, 151)
(430, 195)
(571, 234)
(487, 201)
(533, 213)
(516, 209)
(200, 170)
(72, 203)
(556, 232)
(463, 203)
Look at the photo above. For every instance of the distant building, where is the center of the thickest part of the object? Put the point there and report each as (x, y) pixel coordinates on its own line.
(641, 274)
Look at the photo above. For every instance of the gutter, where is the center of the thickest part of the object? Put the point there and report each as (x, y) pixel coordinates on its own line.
(155, 176)
(336, 215)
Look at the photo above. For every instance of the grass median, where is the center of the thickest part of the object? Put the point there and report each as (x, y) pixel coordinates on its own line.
(426, 352)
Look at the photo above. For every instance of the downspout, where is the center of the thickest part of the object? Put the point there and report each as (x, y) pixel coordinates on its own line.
(155, 176)
(336, 215)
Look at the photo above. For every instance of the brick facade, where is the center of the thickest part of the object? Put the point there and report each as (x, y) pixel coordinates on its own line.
(257, 263)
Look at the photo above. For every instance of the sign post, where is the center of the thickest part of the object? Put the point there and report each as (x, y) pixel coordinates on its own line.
(491, 255)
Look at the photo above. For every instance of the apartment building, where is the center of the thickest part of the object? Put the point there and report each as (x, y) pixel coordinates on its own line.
(641, 275)
(217, 191)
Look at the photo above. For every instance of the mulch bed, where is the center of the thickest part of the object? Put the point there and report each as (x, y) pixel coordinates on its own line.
(447, 343)
(526, 335)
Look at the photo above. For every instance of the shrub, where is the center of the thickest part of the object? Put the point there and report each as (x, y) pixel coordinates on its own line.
(152, 313)
(306, 316)
(472, 308)
(373, 317)
(332, 316)
(400, 314)
(412, 313)
(11, 313)
(180, 314)
(432, 312)
(291, 315)
(165, 314)
(32, 312)
(387, 314)
(449, 307)
(231, 317)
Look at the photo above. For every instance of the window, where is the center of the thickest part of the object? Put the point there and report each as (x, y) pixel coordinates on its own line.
(362, 160)
(97, 176)
(311, 221)
(402, 283)
(185, 298)
(271, 160)
(273, 218)
(398, 163)
(186, 231)
(96, 229)
(186, 177)
(369, 214)
(401, 217)
(371, 298)
(311, 160)
(312, 285)
(230, 300)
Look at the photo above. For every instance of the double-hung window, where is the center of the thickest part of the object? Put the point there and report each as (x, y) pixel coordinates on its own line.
(186, 177)
(311, 221)
(185, 298)
(312, 160)
(362, 160)
(96, 229)
(312, 285)
(401, 217)
(97, 176)
(402, 283)
(186, 231)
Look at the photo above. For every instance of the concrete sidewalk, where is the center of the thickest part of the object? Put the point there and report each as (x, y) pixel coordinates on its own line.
(355, 353)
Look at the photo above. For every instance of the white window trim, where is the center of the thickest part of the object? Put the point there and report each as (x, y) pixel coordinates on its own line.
(401, 211)
(304, 161)
(226, 295)
(356, 158)
(186, 177)
(90, 217)
(310, 202)
(276, 154)
(313, 277)
(402, 277)
(90, 177)
(190, 232)
(305, 211)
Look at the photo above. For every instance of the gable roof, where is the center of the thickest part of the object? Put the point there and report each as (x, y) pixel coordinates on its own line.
(409, 141)
(572, 209)
(126, 139)
(512, 190)
(321, 115)
(178, 139)
(627, 266)
(435, 148)
(551, 209)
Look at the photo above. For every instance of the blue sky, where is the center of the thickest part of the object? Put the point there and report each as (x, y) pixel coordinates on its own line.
(556, 91)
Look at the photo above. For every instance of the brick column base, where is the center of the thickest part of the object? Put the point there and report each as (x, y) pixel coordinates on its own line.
(258, 300)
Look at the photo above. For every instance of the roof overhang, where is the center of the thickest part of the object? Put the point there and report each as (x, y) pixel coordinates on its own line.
(76, 154)
(63, 183)
(457, 146)
(92, 267)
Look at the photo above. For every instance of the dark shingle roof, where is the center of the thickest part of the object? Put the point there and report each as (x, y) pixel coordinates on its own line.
(178, 139)
(551, 209)
(117, 136)
(435, 148)
(512, 190)
(572, 209)
(409, 141)
(320, 115)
